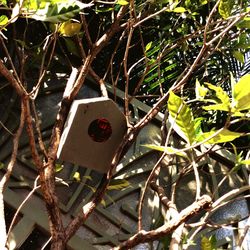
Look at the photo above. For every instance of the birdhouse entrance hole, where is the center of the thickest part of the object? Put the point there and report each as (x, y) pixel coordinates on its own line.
(100, 130)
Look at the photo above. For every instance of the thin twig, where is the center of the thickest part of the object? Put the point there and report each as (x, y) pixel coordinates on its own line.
(125, 62)
(154, 171)
(197, 176)
(38, 130)
(215, 206)
(146, 236)
(1, 123)
(7, 175)
(9, 59)
(43, 69)
(86, 30)
(16, 138)
(35, 187)
(244, 234)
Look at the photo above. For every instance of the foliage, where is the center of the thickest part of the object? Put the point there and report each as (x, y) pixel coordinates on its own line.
(181, 118)
(48, 11)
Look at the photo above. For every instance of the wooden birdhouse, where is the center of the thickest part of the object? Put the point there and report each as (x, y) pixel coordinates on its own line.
(94, 129)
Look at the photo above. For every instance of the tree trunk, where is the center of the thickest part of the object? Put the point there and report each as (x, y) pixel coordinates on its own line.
(2, 222)
(58, 244)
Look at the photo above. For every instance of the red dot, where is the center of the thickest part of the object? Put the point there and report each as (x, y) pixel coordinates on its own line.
(100, 130)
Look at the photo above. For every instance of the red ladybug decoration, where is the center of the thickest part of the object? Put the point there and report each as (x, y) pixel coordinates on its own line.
(100, 130)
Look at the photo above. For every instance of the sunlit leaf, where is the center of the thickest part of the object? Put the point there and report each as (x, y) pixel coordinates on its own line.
(245, 162)
(168, 150)
(224, 103)
(3, 20)
(148, 46)
(122, 2)
(3, 2)
(179, 10)
(181, 118)
(77, 176)
(224, 135)
(208, 243)
(200, 91)
(55, 11)
(203, 2)
(217, 107)
(103, 10)
(58, 167)
(241, 93)
(116, 184)
(225, 8)
(69, 28)
(205, 243)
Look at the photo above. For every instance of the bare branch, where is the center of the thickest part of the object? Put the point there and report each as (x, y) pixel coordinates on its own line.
(6, 177)
(146, 236)
(12, 80)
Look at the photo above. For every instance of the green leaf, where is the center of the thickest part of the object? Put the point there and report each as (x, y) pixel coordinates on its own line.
(239, 56)
(216, 107)
(205, 244)
(3, 2)
(69, 28)
(2, 165)
(200, 91)
(179, 10)
(77, 176)
(241, 93)
(208, 243)
(3, 20)
(225, 8)
(181, 118)
(103, 202)
(148, 46)
(122, 2)
(203, 2)
(116, 184)
(168, 150)
(55, 12)
(224, 135)
(224, 103)
(197, 125)
(93, 189)
(243, 42)
(103, 10)
(245, 23)
(88, 177)
(245, 162)
(58, 167)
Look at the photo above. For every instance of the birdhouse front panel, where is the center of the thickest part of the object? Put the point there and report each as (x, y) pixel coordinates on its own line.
(94, 129)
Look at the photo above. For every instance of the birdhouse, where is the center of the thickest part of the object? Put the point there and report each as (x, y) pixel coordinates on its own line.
(94, 129)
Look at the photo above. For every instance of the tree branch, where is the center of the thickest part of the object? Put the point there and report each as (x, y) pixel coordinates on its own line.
(11, 79)
(5, 178)
(147, 236)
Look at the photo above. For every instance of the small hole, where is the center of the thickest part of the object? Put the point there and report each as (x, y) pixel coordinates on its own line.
(100, 130)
